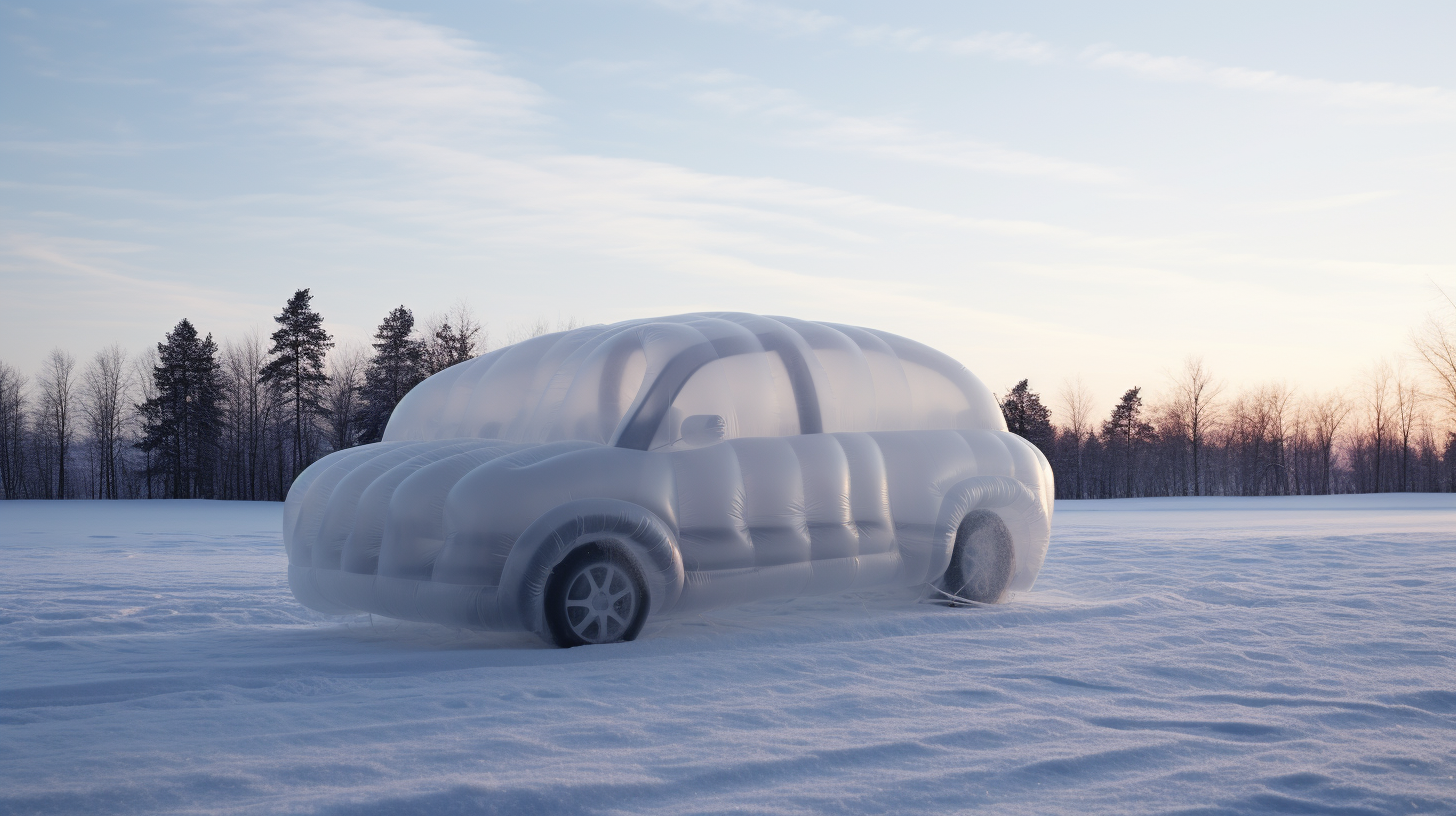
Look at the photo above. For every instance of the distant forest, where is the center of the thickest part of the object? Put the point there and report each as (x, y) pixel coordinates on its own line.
(193, 419)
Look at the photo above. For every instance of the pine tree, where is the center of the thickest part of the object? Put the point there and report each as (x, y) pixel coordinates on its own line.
(297, 369)
(182, 423)
(397, 366)
(1028, 418)
(1126, 429)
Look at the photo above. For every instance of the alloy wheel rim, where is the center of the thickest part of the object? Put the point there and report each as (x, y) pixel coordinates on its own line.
(601, 601)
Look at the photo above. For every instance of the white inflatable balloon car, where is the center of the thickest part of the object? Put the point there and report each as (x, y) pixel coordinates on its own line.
(577, 483)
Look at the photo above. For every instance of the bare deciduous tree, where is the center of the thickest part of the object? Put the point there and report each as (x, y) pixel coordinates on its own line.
(1246, 441)
(1277, 401)
(1436, 345)
(248, 406)
(13, 405)
(57, 410)
(1076, 404)
(1195, 395)
(1327, 414)
(1407, 404)
(341, 397)
(57, 386)
(453, 336)
(1378, 414)
(539, 327)
(106, 395)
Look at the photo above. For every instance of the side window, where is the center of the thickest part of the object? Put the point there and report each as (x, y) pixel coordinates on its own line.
(729, 398)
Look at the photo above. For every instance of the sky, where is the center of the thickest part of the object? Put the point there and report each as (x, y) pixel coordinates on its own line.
(1043, 190)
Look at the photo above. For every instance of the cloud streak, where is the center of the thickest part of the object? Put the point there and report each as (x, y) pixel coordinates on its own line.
(92, 266)
(773, 16)
(463, 141)
(378, 156)
(348, 71)
(886, 137)
(1406, 101)
(1409, 102)
(998, 45)
(790, 21)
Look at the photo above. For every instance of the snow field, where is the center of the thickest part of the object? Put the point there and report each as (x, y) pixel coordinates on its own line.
(1176, 656)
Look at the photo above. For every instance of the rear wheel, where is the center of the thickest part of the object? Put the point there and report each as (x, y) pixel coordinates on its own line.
(595, 595)
(982, 561)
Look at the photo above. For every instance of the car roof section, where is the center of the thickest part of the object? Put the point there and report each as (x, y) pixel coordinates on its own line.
(613, 384)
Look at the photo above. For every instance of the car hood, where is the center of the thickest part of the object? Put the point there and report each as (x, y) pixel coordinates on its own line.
(337, 509)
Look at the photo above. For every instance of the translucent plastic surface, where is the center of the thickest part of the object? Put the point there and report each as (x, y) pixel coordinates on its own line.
(600, 382)
(727, 456)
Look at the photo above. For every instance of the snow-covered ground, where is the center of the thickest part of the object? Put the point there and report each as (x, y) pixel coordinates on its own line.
(1177, 656)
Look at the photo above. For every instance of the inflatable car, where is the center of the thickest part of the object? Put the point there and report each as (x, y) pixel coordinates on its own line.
(577, 483)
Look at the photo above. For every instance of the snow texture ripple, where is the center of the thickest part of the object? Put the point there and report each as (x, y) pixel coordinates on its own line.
(1211, 656)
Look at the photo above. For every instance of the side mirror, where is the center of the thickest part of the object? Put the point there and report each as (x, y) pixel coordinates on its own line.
(703, 429)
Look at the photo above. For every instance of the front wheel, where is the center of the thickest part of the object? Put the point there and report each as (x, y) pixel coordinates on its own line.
(595, 595)
(983, 560)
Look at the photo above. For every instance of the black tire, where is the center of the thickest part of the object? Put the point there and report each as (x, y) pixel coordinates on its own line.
(983, 559)
(597, 594)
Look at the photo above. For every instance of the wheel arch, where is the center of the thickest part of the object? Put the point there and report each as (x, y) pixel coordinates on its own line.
(564, 528)
(1022, 511)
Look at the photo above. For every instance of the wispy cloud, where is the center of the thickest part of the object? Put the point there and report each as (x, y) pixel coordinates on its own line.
(887, 137)
(791, 21)
(773, 16)
(460, 147)
(344, 69)
(1003, 45)
(1408, 101)
(999, 45)
(461, 135)
(104, 272)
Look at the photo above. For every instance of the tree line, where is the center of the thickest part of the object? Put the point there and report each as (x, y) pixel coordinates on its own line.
(1392, 431)
(240, 420)
(195, 419)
